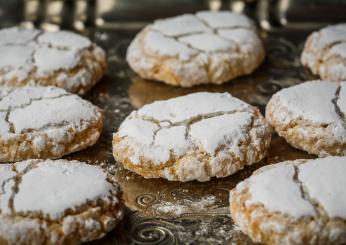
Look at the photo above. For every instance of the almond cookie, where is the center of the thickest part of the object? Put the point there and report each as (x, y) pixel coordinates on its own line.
(63, 59)
(207, 47)
(325, 53)
(45, 122)
(293, 202)
(311, 116)
(192, 137)
(56, 202)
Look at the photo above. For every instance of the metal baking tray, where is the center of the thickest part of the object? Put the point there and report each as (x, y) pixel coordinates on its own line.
(163, 212)
(159, 211)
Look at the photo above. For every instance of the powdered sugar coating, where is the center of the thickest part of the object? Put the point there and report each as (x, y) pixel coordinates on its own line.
(283, 196)
(325, 52)
(41, 116)
(293, 202)
(57, 194)
(175, 130)
(192, 49)
(33, 56)
(329, 191)
(311, 116)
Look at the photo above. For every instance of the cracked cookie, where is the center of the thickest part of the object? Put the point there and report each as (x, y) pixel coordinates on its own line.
(293, 202)
(62, 59)
(207, 47)
(311, 116)
(45, 122)
(325, 53)
(192, 137)
(56, 202)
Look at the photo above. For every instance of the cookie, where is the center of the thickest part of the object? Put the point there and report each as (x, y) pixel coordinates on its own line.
(325, 53)
(56, 202)
(45, 122)
(192, 137)
(311, 116)
(207, 47)
(293, 202)
(63, 59)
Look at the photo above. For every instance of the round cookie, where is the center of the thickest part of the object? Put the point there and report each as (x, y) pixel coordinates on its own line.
(325, 53)
(293, 202)
(56, 202)
(63, 59)
(187, 50)
(45, 122)
(311, 116)
(192, 137)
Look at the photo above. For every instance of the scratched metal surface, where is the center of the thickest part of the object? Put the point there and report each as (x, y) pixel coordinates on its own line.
(163, 212)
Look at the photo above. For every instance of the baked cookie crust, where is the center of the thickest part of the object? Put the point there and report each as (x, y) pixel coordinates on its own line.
(311, 116)
(193, 137)
(293, 202)
(45, 122)
(57, 202)
(324, 53)
(62, 59)
(187, 50)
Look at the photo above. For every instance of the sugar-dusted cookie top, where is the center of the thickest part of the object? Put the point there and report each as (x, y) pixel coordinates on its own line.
(214, 124)
(44, 122)
(293, 202)
(63, 59)
(57, 201)
(206, 47)
(325, 52)
(311, 116)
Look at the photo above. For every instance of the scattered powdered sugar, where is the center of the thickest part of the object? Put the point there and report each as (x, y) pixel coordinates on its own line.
(185, 206)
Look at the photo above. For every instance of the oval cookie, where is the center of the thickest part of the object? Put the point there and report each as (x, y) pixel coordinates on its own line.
(207, 47)
(311, 116)
(192, 137)
(293, 202)
(56, 202)
(62, 59)
(325, 53)
(45, 122)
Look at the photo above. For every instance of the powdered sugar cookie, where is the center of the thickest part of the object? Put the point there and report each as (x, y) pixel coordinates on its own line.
(45, 122)
(325, 53)
(311, 116)
(293, 202)
(208, 47)
(192, 137)
(56, 202)
(63, 59)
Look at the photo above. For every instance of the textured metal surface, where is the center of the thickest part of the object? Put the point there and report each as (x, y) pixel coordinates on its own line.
(163, 212)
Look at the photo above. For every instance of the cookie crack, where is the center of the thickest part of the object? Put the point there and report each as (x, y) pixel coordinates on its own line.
(17, 181)
(10, 90)
(321, 57)
(190, 120)
(320, 211)
(338, 111)
(187, 123)
(11, 109)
